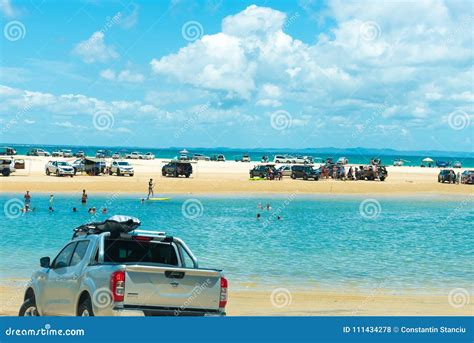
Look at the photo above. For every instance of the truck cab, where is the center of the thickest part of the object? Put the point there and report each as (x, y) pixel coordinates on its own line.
(109, 269)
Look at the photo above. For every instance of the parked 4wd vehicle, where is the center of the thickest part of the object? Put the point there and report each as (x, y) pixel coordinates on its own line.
(200, 157)
(7, 166)
(78, 166)
(282, 159)
(242, 158)
(38, 152)
(7, 151)
(121, 168)
(262, 171)
(59, 168)
(467, 177)
(304, 172)
(285, 170)
(447, 175)
(177, 168)
(66, 152)
(113, 269)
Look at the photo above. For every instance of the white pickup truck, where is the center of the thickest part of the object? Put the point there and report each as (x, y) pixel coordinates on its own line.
(113, 269)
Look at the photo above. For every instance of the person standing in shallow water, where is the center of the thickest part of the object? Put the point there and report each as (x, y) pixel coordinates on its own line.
(51, 203)
(150, 189)
(27, 198)
(84, 197)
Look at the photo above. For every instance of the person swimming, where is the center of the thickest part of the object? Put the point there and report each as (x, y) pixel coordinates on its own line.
(104, 210)
(74, 209)
(258, 216)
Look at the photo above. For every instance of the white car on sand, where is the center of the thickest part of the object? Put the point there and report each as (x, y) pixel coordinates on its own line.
(59, 168)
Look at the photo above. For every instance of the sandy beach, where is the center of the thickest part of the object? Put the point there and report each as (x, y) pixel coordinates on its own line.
(223, 178)
(306, 303)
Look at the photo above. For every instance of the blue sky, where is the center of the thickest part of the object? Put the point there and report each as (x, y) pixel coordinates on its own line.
(251, 74)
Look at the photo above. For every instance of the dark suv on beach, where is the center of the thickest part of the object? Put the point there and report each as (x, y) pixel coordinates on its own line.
(177, 169)
(447, 175)
(262, 171)
(467, 177)
(304, 172)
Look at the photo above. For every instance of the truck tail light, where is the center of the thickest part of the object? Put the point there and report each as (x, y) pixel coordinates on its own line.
(117, 285)
(223, 298)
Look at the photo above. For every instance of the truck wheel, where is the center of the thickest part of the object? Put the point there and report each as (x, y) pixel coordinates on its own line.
(187, 175)
(305, 177)
(48, 172)
(28, 309)
(118, 172)
(293, 176)
(85, 309)
(6, 172)
(382, 178)
(277, 161)
(131, 174)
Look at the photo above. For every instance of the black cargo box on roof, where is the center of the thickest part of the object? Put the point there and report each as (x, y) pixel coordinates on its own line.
(115, 225)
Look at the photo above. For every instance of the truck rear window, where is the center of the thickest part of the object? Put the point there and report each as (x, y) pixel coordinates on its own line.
(123, 251)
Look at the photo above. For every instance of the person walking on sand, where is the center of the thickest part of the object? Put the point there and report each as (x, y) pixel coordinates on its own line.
(150, 189)
(84, 197)
(27, 198)
(51, 203)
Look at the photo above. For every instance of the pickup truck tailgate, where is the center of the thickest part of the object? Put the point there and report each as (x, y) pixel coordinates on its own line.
(172, 287)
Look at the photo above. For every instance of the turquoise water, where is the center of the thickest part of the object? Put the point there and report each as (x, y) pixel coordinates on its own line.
(413, 244)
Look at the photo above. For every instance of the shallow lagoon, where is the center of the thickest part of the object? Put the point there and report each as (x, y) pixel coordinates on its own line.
(395, 243)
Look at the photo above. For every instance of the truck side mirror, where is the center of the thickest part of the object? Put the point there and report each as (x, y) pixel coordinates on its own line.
(45, 262)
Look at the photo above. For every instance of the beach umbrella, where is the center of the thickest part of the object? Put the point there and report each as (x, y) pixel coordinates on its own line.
(428, 160)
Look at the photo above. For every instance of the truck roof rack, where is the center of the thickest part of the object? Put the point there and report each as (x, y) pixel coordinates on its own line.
(115, 225)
